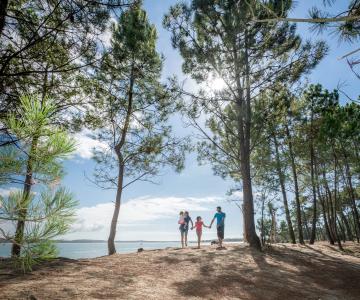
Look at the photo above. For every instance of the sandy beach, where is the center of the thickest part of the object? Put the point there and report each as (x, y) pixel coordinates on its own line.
(281, 272)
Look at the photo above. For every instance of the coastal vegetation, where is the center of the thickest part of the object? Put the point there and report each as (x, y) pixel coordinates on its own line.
(291, 146)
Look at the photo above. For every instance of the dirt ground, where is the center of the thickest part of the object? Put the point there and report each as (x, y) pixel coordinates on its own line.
(282, 272)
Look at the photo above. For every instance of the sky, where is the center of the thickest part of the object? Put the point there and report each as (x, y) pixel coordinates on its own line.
(150, 211)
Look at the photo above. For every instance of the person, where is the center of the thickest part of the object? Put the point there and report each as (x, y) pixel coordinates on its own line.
(187, 220)
(199, 225)
(182, 227)
(181, 218)
(220, 225)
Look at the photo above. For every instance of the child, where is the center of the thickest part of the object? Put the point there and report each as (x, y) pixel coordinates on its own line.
(181, 218)
(198, 225)
(182, 228)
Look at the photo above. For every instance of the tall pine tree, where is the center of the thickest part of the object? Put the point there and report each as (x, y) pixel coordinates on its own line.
(217, 38)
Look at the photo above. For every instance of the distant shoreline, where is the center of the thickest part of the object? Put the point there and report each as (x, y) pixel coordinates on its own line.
(136, 241)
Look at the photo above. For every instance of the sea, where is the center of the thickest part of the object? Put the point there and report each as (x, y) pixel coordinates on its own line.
(95, 249)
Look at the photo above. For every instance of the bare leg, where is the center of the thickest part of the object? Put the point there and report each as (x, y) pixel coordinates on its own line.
(199, 239)
(182, 239)
(186, 233)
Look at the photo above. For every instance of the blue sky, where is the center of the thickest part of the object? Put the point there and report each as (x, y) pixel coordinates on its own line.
(149, 212)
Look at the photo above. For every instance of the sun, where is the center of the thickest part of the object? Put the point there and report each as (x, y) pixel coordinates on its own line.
(217, 84)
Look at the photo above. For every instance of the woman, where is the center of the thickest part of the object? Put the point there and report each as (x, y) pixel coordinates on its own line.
(184, 228)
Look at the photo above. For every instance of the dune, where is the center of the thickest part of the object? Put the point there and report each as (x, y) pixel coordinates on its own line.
(282, 271)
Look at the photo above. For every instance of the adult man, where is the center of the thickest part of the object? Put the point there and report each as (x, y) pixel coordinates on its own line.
(220, 225)
(187, 220)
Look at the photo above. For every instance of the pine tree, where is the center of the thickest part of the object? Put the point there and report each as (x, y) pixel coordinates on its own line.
(217, 38)
(132, 112)
(35, 159)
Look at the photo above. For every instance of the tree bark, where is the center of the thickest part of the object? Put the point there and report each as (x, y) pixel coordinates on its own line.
(3, 10)
(22, 207)
(296, 186)
(114, 220)
(334, 206)
(283, 190)
(347, 225)
(243, 107)
(353, 198)
(118, 149)
(313, 183)
(262, 235)
(329, 206)
(326, 224)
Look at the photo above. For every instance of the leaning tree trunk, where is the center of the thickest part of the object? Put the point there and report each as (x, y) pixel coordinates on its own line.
(283, 190)
(326, 224)
(118, 147)
(296, 186)
(329, 207)
(114, 220)
(322, 202)
(334, 206)
(353, 199)
(347, 225)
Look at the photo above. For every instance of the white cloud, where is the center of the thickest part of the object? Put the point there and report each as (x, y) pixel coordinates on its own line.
(85, 144)
(105, 37)
(138, 211)
(6, 192)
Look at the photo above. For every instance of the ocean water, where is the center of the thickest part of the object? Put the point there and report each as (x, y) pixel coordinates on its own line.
(90, 250)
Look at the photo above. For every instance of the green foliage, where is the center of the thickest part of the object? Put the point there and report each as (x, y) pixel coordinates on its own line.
(133, 107)
(315, 120)
(49, 215)
(35, 119)
(216, 39)
(49, 47)
(35, 159)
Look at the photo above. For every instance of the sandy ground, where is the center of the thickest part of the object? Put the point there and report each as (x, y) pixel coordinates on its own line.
(281, 272)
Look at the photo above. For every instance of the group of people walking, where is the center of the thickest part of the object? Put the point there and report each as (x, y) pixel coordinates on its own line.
(185, 221)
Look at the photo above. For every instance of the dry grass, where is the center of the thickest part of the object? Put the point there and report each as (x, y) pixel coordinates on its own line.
(282, 272)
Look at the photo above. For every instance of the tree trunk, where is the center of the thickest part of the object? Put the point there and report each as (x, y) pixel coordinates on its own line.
(273, 226)
(322, 202)
(347, 225)
(329, 209)
(249, 223)
(283, 191)
(353, 199)
(312, 163)
(262, 220)
(243, 107)
(3, 10)
(326, 224)
(342, 230)
(23, 206)
(118, 147)
(114, 220)
(334, 207)
(296, 186)
(305, 224)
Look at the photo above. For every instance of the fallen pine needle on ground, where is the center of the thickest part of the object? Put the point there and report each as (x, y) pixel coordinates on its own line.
(282, 271)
